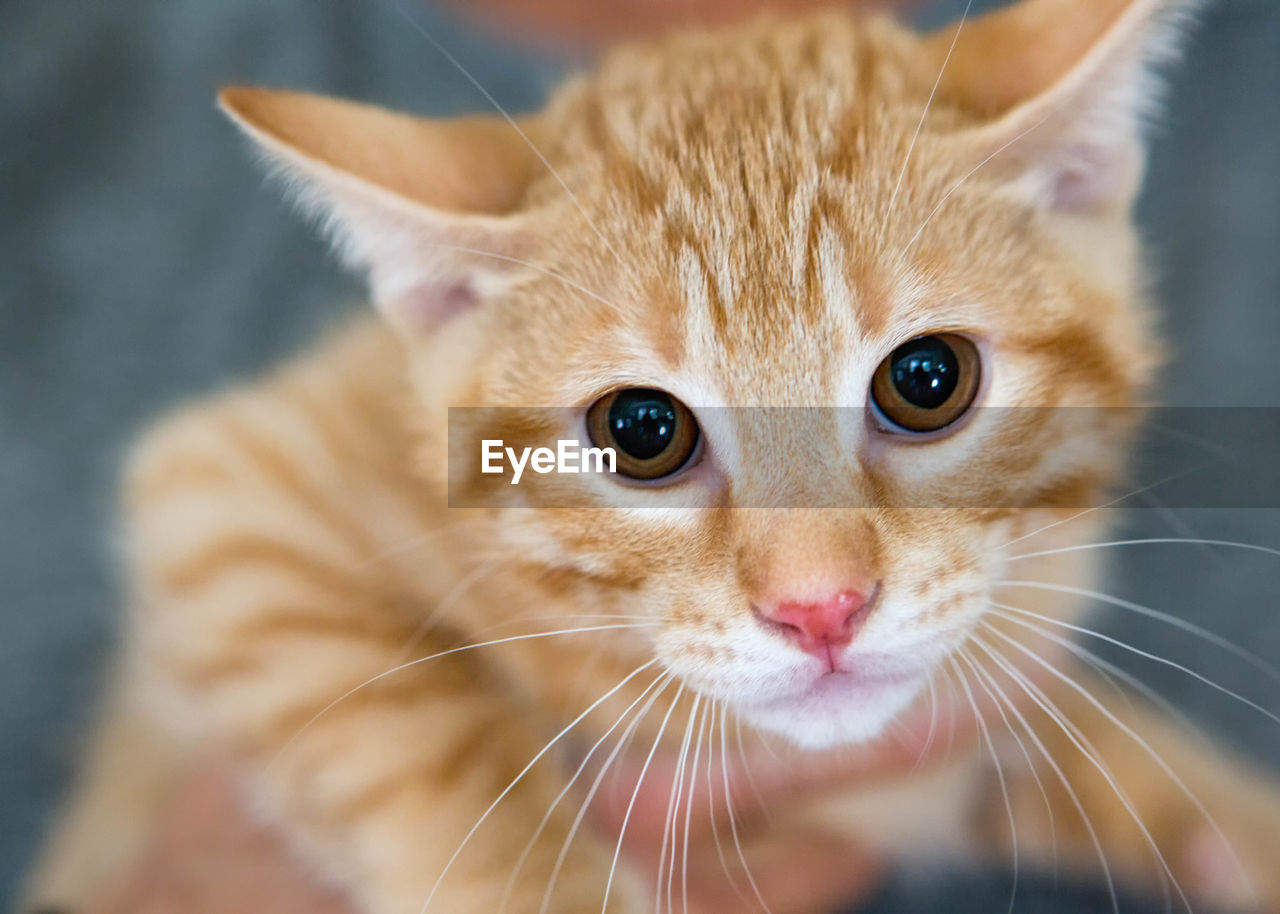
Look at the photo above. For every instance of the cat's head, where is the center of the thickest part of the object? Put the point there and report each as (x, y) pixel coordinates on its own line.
(720, 230)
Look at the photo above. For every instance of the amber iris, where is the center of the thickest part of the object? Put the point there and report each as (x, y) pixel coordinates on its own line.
(928, 383)
(653, 434)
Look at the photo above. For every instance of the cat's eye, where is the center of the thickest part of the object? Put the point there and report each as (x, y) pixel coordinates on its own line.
(927, 383)
(653, 434)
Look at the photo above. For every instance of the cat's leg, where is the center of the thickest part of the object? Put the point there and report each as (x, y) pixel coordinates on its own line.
(265, 609)
(1156, 801)
(378, 791)
(127, 774)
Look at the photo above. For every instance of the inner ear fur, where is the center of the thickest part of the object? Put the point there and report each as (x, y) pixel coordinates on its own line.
(1019, 52)
(1057, 90)
(429, 210)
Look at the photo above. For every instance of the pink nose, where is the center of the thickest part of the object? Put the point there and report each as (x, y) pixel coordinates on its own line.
(817, 628)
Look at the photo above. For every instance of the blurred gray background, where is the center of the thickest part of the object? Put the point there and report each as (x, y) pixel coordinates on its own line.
(142, 262)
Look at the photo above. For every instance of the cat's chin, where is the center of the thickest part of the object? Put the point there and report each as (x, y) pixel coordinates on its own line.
(838, 709)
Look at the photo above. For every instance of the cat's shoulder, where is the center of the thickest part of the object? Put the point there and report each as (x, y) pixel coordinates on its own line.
(326, 416)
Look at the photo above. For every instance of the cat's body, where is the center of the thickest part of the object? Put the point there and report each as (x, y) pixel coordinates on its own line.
(754, 218)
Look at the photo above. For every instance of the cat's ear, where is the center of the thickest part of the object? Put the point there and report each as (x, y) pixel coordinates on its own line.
(1060, 90)
(426, 207)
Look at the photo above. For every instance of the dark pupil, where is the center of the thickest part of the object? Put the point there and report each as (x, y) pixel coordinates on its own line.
(925, 372)
(643, 422)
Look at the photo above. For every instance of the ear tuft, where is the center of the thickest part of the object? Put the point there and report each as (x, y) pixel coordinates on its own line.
(427, 208)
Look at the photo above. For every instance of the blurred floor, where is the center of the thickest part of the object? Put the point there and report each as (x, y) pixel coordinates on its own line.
(142, 262)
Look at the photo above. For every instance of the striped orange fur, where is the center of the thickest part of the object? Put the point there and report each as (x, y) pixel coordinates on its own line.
(750, 217)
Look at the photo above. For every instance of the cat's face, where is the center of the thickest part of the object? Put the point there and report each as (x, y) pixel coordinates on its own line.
(753, 231)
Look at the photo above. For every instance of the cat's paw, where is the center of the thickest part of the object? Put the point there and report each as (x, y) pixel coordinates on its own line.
(1215, 832)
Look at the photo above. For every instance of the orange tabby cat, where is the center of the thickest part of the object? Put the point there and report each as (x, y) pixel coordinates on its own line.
(821, 212)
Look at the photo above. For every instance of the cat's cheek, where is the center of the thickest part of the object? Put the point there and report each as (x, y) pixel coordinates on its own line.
(726, 663)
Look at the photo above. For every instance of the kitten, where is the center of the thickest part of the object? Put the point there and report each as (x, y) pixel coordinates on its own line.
(813, 212)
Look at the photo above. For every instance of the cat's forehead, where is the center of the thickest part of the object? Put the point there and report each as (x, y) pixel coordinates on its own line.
(808, 80)
(765, 310)
(757, 180)
(778, 289)
(764, 196)
(753, 127)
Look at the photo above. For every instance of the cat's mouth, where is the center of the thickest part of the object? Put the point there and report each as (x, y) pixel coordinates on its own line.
(846, 677)
(849, 681)
(820, 707)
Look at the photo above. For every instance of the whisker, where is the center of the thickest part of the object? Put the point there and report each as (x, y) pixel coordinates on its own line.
(1146, 655)
(995, 760)
(667, 679)
(965, 179)
(626, 818)
(688, 816)
(628, 737)
(1206, 445)
(951, 718)
(733, 824)
(746, 767)
(1052, 762)
(444, 52)
(764, 740)
(711, 798)
(1090, 752)
(528, 848)
(1101, 665)
(1173, 477)
(1149, 541)
(893, 198)
(1031, 767)
(640, 621)
(519, 777)
(673, 805)
(436, 656)
(933, 724)
(1094, 757)
(545, 271)
(454, 594)
(409, 543)
(1190, 627)
(1181, 527)
(1128, 731)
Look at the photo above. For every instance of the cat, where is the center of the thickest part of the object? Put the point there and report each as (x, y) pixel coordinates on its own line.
(818, 211)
